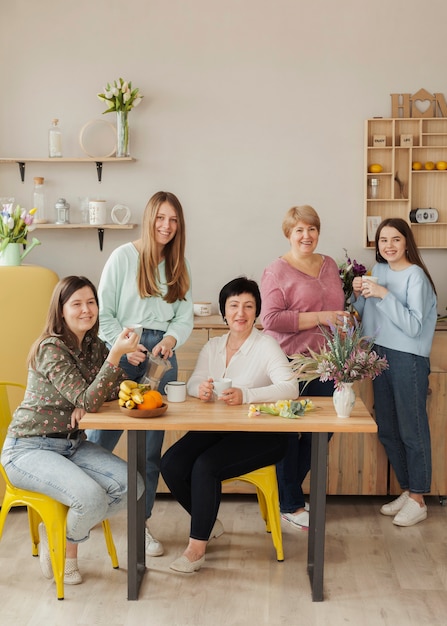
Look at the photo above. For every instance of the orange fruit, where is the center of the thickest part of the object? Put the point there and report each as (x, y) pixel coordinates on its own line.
(416, 165)
(151, 400)
(429, 165)
(441, 165)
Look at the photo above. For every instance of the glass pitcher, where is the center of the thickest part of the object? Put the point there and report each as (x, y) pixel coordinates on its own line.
(156, 369)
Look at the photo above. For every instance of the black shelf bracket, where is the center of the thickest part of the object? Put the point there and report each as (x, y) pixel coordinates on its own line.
(99, 171)
(101, 237)
(21, 165)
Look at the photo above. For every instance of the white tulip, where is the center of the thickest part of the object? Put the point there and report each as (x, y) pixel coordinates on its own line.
(126, 96)
(137, 101)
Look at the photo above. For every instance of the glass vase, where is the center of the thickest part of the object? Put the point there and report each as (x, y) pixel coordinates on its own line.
(122, 134)
(344, 399)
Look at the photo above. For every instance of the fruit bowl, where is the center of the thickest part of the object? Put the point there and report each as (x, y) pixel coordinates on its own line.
(145, 413)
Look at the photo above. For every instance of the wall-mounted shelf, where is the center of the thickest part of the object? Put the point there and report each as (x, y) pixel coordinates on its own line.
(99, 161)
(396, 144)
(100, 228)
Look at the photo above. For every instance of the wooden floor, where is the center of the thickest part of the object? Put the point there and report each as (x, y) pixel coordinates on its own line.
(375, 573)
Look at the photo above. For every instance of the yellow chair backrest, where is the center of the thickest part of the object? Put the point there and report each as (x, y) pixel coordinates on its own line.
(5, 406)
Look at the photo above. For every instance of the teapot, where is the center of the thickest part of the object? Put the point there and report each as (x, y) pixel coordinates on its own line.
(11, 254)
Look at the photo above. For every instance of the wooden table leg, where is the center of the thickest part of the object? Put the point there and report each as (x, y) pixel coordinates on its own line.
(317, 514)
(136, 513)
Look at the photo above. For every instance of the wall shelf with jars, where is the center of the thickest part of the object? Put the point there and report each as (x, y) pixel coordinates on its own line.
(406, 176)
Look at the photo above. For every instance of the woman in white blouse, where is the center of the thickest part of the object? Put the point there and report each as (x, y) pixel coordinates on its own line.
(195, 466)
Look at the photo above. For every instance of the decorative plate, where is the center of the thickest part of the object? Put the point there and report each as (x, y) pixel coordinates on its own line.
(146, 413)
(98, 139)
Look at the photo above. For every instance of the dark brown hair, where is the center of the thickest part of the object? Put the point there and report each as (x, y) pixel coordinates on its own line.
(55, 325)
(177, 277)
(412, 251)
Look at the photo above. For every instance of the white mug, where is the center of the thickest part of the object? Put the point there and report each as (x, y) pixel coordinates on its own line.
(220, 384)
(372, 279)
(137, 329)
(97, 212)
(176, 391)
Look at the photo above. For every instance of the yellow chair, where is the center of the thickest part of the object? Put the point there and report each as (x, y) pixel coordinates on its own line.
(42, 508)
(266, 485)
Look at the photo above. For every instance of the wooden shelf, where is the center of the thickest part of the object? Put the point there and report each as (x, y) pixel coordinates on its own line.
(100, 228)
(423, 139)
(21, 162)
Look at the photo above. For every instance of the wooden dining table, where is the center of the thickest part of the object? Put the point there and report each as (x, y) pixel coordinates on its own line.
(195, 415)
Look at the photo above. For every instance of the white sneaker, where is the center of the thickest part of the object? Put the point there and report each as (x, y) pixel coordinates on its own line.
(298, 520)
(411, 513)
(395, 506)
(72, 575)
(153, 546)
(44, 552)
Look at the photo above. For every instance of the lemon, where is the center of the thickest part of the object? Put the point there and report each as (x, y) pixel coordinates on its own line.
(441, 165)
(416, 165)
(375, 168)
(429, 165)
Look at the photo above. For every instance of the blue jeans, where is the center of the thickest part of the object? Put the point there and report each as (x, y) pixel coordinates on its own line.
(154, 438)
(400, 396)
(294, 467)
(91, 481)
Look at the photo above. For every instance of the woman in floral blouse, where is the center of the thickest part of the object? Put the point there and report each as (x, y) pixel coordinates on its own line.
(70, 372)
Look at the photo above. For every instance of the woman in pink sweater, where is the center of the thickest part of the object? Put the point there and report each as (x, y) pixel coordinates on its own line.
(301, 291)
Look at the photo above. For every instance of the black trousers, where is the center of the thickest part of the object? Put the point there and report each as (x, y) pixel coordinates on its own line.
(195, 466)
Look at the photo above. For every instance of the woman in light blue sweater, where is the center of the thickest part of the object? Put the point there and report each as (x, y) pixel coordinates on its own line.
(148, 282)
(400, 312)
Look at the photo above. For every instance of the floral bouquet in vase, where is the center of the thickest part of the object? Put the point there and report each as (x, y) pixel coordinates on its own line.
(346, 357)
(121, 98)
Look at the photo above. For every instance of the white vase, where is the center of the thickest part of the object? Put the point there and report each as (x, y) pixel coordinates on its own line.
(344, 399)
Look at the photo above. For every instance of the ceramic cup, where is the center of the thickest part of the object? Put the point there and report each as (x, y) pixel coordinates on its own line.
(97, 212)
(202, 308)
(372, 279)
(220, 384)
(137, 328)
(176, 391)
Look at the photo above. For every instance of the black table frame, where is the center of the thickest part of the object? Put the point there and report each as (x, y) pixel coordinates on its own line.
(136, 454)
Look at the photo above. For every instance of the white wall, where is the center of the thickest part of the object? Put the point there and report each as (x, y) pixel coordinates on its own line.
(250, 107)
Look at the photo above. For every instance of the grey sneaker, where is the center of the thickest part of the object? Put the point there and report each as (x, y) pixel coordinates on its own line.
(153, 546)
(395, 506)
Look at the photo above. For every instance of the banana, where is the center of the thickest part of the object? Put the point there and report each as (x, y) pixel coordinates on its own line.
(123, 395)
(130, 404)
(137, 396)
(128, 385)
(122, 402)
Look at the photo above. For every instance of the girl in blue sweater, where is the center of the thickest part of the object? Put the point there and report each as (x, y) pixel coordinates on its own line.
(400, 311)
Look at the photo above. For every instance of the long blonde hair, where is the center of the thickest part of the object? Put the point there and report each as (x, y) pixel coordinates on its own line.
(177, 277)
